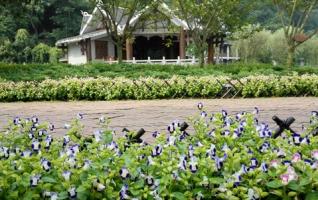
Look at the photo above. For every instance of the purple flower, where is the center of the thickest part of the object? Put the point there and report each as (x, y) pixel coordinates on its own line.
(26, 153)
(150, 161)
(252, 195)
(182, 163)
(155, 134)
(34, 120)
(305, 140)
(157, 150)
(297, 139)
(280, 153)
(314, 113)
(66, 175)
(34, 180)
(102, 119)
(226, 133)
(33, 128)
(286, 162)
(51, 127)
(48, 142)
(274, 163)
(113, 145)
(150, 181)
(256, 111)
(224, 113)
(31, 135)
(80, 115)
(123, 194)
(72, 193)
(71, 161)
(211, 133)
(98, 186)
(17, 121)
(265, 146)
(308, 162)
(289, 176)
(190, 150)
(171, 128)
(199, 196)
(264, 167)
(237, 179)
(67, 126)
(254, 162)
(124, 173)
(46, 165)
(296, 157)
(171, 140)
(66, 140)
(200, 106)
(98, 135)
(42, 132)
(193, 165)
(4, 152)
(36, 145)
(314, 154)
(204, 114)
(87, 164)
(212, 151)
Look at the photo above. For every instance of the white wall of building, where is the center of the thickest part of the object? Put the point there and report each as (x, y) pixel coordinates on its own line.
(75, 56)
(111, 49)
(93, 49)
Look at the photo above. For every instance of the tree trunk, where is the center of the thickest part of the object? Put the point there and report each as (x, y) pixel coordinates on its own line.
(119, 52)
(290, 57)
(201, 58)
(211, 52)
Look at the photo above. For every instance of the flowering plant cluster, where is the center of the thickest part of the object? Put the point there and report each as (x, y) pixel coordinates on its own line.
(225, 157)
(152, 88)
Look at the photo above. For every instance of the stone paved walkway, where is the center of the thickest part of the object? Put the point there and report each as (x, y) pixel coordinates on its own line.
(155, 114)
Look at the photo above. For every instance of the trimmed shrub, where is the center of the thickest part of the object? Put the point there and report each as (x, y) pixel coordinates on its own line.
(151, 88)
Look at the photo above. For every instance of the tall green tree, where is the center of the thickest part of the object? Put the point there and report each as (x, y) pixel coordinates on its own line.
(205, 18)
(117, 17)
(294, 16)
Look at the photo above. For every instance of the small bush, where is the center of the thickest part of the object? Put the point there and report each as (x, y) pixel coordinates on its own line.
(41, 53)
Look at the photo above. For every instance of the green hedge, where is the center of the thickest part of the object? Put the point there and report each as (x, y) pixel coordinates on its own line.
(151, 88)
(40, 72)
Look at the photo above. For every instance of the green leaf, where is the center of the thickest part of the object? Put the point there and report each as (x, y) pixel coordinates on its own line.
(216, 180)
(47, 179)
(275, 184)
(295, 186)
(63, 195)
(178, 195)
(304, 181)
(312, 196)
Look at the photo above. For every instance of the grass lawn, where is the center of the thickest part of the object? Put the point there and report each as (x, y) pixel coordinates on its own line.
(38, 72)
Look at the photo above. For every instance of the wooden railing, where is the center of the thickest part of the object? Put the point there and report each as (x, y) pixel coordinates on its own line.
(178, 61)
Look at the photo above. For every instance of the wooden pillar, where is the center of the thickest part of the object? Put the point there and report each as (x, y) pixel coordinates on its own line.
(129, 50)
(88, 50)
(210, 53)
(182, 44)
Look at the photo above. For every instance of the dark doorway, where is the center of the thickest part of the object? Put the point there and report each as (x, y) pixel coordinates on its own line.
(155, 48)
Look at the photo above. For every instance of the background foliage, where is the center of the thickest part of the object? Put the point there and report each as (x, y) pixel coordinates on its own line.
(25, 24)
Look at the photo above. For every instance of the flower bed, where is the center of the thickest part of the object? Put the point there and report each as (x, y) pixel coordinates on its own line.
(151, 88)
(226, 157)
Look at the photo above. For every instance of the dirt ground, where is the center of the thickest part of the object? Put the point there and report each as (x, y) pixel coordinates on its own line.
(154, 114)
